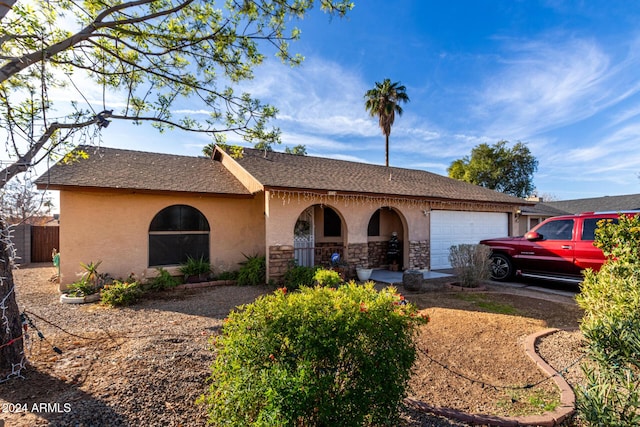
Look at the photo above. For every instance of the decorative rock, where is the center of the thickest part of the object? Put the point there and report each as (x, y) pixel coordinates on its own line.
(412, 280)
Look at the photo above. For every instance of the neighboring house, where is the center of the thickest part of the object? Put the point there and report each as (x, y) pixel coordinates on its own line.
(627, 202)
(136, 211)
(530, 216)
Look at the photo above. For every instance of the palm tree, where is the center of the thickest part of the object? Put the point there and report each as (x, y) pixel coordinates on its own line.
(382, 101)
(207, 150)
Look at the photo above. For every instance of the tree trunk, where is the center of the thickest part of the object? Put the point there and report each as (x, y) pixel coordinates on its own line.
(11, 344)
(386, 149)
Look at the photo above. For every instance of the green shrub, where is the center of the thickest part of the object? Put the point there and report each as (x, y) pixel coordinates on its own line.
(91, 281)
(91, 274)
(611, 326)
(227, 275)
(317, 357)
(195, 267)
(326, 277)
(121, 293)
(253, 271)
(81, 288)
(471, 263)
(163, 280)
(298, 276)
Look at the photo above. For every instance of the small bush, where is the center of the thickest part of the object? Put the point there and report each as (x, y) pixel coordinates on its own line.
(471, 263)
(253, 271)
(195, 267)
(121, 293)
(317, 357)
(227, 275)
(91, 281)
(81, 288)
(163, 280)
(298, 276)
(611, 327)
(324, 277)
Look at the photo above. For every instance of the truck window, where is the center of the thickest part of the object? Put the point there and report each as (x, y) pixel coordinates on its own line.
(561, 229)
(589, 226)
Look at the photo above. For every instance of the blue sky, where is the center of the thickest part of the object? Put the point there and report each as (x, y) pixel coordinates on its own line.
(561, 76)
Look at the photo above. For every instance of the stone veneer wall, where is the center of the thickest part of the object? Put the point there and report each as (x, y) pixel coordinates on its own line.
(418, 254)
(377, 253)
(279, 259)
(324, 250)
(357, 256)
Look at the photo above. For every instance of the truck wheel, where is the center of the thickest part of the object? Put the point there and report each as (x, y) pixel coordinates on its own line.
(501, 267)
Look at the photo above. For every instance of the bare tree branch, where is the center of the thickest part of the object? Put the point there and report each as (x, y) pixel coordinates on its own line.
(23, 163)
(5, 7)
(18, 64)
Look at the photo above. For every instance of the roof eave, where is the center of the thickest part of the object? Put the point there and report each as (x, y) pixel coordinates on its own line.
(59, 187)
(388, 195)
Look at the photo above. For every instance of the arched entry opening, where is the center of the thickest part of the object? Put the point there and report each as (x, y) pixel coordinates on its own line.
(318, 233)
(386, 239)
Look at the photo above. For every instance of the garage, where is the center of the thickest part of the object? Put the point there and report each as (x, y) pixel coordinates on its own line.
(456, 227)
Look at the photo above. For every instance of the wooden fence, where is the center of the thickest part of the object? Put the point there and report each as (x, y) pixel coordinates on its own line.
(43, 241)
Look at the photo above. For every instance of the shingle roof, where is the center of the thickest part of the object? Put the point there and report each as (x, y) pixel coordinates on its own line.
(543, 209)
(142, 171)
(282, 170)
(599, 204)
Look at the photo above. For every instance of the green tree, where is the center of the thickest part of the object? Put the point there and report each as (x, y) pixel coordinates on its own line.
(384, 101)
(299, 150)
(508, 170)
(144, 56)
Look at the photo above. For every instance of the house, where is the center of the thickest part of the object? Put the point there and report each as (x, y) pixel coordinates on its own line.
(529, 216)
(136, 211)
(627, 202)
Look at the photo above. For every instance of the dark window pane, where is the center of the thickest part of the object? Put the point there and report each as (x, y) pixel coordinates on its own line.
(557, 230)
(332, 223)
(193, 220)
(374, 224)
(179, 218)
(589, 226)
(173, 249)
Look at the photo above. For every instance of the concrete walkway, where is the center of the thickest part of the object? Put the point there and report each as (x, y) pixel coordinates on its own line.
(395, 277)
(532, 287)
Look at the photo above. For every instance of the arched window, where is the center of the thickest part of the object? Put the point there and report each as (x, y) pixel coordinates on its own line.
(374, 224)
(332, 223)
(176, 233)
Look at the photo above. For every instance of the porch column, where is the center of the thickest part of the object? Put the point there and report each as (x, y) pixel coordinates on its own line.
(279, 223)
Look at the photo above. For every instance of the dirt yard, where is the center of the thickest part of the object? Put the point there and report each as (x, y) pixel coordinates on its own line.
(146, 364)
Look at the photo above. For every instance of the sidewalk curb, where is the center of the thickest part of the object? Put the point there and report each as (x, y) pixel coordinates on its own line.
(548, 419)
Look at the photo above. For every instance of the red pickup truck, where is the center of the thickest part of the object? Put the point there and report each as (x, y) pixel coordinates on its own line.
(558, 249)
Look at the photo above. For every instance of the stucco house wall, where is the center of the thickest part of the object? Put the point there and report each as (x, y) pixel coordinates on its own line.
(115, 230)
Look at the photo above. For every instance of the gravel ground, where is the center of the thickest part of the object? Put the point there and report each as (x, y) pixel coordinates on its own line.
(146, 364)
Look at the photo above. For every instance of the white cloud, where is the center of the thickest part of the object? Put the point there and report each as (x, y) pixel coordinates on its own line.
(319, 97)
(550, 83)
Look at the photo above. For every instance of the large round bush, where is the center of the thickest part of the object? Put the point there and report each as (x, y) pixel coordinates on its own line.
(315, 357)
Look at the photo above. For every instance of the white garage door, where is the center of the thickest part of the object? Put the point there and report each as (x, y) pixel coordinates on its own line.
(456, 227)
